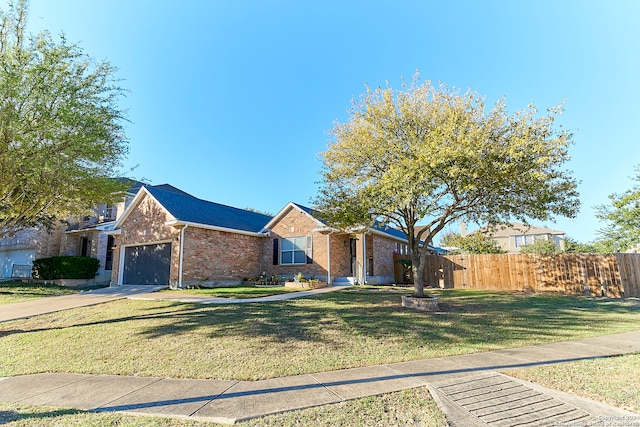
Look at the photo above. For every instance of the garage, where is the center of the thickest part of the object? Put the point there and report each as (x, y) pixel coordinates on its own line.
(16, 262)
(147, 264)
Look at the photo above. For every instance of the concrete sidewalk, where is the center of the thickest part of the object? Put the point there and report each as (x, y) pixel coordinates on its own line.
(468, 388)
(23, 310)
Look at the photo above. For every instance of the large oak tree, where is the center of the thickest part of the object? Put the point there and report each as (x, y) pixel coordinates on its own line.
(61, 130)
(434, 155)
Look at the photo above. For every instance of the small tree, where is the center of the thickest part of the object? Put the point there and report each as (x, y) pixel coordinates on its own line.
(61, 137)
(622, 218)
(540, 246)
(572, 246)
(474, 243)
(426, 152)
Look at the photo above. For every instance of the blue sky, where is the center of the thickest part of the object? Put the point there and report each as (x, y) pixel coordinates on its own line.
(231, 100)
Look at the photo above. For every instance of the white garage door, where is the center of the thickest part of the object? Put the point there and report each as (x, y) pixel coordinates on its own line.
(16, 262)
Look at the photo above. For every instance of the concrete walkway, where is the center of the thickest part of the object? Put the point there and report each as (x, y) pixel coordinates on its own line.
(468, 388)
(23, 310)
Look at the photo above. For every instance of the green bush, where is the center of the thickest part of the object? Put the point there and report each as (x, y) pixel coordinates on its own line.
(65, 267)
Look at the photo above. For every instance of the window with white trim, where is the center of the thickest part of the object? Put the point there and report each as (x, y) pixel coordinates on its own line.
(527, 239)
(296, 250)
(401, 249)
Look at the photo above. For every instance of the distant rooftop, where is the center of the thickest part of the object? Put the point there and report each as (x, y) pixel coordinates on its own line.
(517, 229)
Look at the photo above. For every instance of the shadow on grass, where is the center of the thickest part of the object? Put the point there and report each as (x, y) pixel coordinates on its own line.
(20, 289)
(17, 415)
(467, 318)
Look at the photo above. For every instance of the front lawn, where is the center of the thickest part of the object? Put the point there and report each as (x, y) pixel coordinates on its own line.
(17, 291)
(234, 291)
(342, 329)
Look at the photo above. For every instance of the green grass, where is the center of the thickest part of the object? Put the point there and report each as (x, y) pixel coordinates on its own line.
(409, 407)
(613, 380)
(233, 291)
(16, 291)
(35, 416)
(326, 332)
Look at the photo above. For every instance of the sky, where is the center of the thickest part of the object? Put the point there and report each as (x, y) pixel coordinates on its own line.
(232, 100)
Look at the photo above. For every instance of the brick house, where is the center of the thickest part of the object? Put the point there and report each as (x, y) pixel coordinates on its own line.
(18, 252)
(86, 236)
(167, 236)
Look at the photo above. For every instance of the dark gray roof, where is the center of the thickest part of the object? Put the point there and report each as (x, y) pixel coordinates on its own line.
(313, 212)
(168, 187)
(389, 230)
(185, 207)
(400, 234)
(393, 232)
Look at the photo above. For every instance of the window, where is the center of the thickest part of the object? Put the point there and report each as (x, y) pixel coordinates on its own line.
(527, 239)
(85, 246)
(401, 249)
(108, 263)
(110, 212)
(296, 250)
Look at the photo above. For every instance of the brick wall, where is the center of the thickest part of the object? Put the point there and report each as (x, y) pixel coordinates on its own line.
(215, 257)
(46, 243)
(296, 223)
(340, 255)
(145, 225)
(382, 255)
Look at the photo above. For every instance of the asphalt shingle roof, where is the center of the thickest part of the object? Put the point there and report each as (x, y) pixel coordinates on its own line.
(185, 207)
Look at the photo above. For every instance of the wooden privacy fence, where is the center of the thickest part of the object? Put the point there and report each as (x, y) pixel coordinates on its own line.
(616, 275)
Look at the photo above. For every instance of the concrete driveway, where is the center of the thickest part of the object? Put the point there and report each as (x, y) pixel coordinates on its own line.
(23, 310)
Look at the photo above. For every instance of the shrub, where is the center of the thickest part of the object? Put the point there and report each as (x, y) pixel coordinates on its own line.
(65, 267)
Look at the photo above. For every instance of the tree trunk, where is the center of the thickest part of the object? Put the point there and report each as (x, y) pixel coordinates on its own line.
(417, 265)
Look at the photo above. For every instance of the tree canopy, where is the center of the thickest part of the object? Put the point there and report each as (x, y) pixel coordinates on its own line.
(61, 130)
(433, 153)
(474, 243)
(622, 219)
(541, 246)
(572, 246)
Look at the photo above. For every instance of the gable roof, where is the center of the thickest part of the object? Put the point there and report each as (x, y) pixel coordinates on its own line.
(170, 188)
(518, 229)
(187, 209)
(377, 227)
(312, 213)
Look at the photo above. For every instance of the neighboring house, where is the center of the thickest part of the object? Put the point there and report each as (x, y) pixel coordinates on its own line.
(514, 236)
(167, 236)
(84, 237)
(17, 253)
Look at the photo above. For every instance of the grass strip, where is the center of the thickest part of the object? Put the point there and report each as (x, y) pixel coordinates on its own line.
(613, 380)
(233, 291)
(409, 407)
(17, 291)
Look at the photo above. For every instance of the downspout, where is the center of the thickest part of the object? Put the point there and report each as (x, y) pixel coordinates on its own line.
(181, 255)
(329, 259)
(364, 258)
